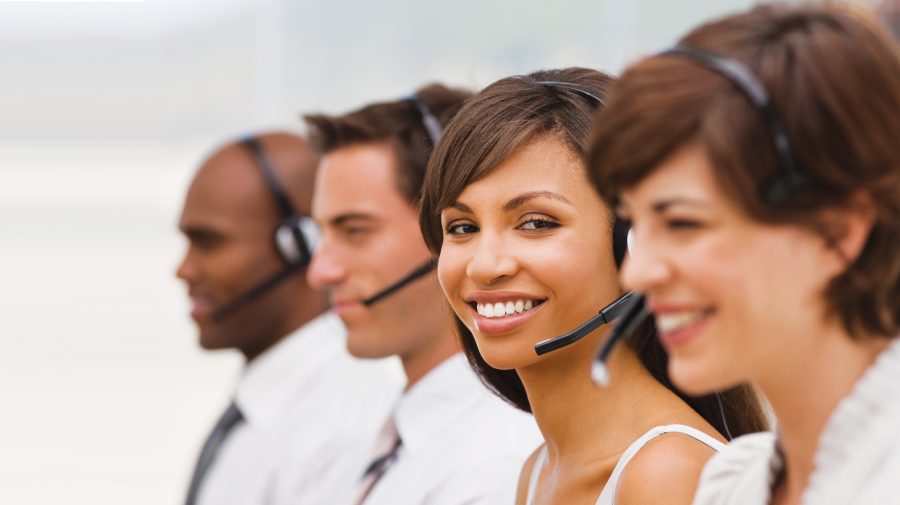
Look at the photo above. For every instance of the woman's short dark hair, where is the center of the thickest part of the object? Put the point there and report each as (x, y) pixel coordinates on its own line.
(489, 129)
(833, 76)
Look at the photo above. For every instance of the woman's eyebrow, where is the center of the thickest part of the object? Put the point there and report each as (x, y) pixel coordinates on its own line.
(664, 205)
(520, 200)
(461, 207)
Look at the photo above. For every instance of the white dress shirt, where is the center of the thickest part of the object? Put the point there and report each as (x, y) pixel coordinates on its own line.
(857, 460)
(460, 444)
(310, 412)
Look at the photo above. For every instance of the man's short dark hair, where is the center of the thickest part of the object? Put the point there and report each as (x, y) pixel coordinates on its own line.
(399, 123)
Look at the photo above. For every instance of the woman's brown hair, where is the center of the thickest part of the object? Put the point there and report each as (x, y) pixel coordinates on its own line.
(489, 129)
(833, 77)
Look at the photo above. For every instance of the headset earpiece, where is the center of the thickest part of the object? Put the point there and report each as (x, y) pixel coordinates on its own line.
(296, 239)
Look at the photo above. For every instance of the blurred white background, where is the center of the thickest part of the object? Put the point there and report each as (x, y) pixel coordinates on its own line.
(105, 110)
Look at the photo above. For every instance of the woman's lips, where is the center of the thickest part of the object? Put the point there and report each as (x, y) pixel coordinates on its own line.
(504, 324)
(677, 329)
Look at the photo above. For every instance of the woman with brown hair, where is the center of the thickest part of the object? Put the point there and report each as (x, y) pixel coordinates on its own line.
(526, 252)
(758, 163)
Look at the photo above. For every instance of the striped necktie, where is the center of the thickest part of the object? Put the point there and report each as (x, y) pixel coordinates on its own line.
(230, 418)
(387, 447)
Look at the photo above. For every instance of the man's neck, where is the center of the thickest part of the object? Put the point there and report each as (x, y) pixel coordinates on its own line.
(418, 363)
(290, 327)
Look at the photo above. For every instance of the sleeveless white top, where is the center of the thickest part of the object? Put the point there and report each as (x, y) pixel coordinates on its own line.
(608, 495)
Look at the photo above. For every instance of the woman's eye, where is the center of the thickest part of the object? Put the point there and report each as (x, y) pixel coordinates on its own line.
(538, 223)
(682, 224)
(461, 228)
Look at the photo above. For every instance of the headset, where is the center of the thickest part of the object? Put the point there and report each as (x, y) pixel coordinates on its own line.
(621, 235)
(295, 238)
(434, 130)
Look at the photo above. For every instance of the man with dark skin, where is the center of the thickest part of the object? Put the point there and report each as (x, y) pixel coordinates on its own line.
(302, 401)
(229, 218)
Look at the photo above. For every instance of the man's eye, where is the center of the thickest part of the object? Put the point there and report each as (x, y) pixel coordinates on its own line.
(461, 228)
(355, 232)
(207, 242)
(539, 223)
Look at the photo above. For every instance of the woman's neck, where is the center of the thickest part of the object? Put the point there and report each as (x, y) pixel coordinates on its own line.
(804, 388)
(582, 421)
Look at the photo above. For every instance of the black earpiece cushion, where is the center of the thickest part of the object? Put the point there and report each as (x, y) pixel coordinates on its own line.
(620, 241)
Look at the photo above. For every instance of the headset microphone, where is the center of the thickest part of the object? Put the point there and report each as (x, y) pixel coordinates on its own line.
(418, 273)
(253, 293)
(633, 314)
(605, 316)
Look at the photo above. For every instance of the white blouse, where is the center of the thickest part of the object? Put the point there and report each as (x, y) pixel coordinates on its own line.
(857, 461)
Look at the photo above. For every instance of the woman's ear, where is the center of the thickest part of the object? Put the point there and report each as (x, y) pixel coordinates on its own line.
(848, 226)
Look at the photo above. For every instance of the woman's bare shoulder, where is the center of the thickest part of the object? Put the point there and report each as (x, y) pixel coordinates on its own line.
(665, 471)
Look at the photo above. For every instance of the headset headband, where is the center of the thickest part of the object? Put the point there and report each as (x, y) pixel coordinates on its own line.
(791, 176)
(578, 88)
(268, 171)
(431, 123)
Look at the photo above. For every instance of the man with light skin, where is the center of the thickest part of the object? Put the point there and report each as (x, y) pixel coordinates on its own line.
(301, 401)
(449, 440)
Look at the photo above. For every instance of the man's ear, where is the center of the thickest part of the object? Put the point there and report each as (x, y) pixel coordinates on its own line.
(848, 225)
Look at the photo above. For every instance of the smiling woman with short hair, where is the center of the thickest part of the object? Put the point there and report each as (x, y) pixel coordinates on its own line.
(758, 163)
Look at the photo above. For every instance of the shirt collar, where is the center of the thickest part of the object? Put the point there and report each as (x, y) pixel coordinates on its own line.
(435, 402)
(276, 380)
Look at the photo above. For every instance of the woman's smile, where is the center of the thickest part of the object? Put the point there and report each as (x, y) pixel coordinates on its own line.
(502, 312)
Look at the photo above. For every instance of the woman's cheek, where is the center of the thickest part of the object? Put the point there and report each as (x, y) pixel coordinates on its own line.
(450, 272)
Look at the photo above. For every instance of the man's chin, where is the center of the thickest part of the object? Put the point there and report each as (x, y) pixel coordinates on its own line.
(211, 341)
(366, 347)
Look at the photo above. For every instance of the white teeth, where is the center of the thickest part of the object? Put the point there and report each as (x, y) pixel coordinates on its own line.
(500, 309)
(668, 323)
